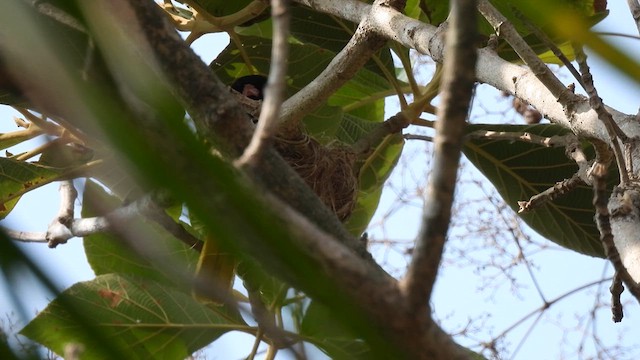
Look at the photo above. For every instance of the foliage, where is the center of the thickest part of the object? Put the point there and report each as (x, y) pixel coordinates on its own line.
(140, 301)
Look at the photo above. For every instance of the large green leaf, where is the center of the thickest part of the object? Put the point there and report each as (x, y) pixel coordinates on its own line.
(144, 319)
(19, 177)
(520, 170)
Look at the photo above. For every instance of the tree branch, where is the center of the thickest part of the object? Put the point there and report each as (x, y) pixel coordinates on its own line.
(457, 83)
(363, 44)
(276, 85)
(491, 69)
(506, 30)
(221, 121)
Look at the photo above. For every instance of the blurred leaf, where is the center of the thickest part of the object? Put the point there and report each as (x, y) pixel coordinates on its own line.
(114, 173)
(106, 253)
(10, 139)
(59, 155)
(339, 343)
(146, 319)
(19, 177)
(543, 14)
(222, 7)
(270, 288)
(520, 170)
(577, 29)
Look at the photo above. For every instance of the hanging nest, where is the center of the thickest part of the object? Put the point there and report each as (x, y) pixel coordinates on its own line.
(327, 170)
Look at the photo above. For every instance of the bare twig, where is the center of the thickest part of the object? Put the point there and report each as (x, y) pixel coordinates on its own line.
(505, 29)
(616, 290)
(457, 84)
(546, 305)
(551, 141)
(275, 89)
(418, 137)
(560, 188)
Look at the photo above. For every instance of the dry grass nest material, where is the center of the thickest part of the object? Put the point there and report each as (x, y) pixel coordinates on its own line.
(328, 170)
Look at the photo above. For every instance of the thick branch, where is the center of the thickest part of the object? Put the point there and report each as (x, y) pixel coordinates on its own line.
(457, 83)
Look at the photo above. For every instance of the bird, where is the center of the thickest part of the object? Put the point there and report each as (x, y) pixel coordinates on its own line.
(251, 86)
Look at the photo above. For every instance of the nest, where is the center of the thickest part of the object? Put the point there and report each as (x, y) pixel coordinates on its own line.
(327, 170)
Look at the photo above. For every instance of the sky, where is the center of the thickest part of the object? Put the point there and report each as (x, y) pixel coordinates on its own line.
(457, 297)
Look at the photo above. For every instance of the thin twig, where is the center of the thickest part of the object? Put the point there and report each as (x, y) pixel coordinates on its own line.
(546, 141)
(616, 290)
(275, 89)
(457, 83)
(547, 305)
(559, 189)
(418, 137)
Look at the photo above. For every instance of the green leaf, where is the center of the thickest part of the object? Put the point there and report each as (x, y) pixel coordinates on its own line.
(520, 170)
(332, 33)
(19, 177)
(321, 329)
(106, 253)
(378, 166)
(374, 170)
(146, 319)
